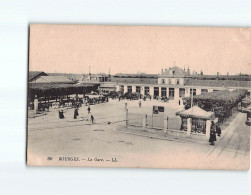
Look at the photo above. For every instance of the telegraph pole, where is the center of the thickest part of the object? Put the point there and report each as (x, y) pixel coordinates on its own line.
(192, 96)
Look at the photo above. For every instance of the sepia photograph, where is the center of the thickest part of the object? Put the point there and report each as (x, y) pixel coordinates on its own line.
(168, 97)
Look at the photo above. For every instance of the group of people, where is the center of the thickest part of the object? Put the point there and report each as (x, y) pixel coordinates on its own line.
(76, 114)
(215, 129)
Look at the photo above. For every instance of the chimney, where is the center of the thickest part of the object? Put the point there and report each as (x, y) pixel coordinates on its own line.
(188, 71)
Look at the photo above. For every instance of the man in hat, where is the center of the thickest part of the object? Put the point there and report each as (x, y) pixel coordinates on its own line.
(61, 114)
(212, 137)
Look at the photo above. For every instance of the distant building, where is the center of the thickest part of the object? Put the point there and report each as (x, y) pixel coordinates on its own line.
(177, 83)
(107, 87)
(95, 78)
(52, 79)
(34, 75)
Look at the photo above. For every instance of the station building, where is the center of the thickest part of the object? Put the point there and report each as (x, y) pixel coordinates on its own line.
(176, 83)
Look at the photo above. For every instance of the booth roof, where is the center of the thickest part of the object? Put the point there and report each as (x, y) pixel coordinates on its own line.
(196, 112)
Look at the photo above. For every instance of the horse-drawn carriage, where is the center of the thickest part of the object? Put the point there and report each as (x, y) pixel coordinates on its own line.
(131, 96)
(95, 99)
(164, 98)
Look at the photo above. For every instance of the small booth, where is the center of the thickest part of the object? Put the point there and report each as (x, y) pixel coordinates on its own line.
(196, 120)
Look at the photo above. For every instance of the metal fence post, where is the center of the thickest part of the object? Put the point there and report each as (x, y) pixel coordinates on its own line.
(126, 116)
(165, 125)
(144, 121)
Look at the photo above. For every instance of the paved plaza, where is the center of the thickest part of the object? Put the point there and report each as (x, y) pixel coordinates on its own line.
(109, 142)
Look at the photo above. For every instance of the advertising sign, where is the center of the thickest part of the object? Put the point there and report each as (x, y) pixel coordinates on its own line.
(158, 109)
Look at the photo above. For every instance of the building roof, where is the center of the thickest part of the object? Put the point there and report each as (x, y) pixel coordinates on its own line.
(107, 85)
(136, 75)
(196, 112)
(35, 74)
(217, 83)
(96, 75)
(135, 80)
(54, 79)
(173, 72)
(221, 77)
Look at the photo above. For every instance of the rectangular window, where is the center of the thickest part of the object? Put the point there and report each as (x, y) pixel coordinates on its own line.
(146, 90)
(171, 93)
(138, 89)
(204, 91)
(194, 92)
(156, 91)
(182, 92)
(129, 89)
(121, 88)
(163, 91)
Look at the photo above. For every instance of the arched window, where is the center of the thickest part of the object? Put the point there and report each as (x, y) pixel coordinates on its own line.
(163, 81)
(178, 81)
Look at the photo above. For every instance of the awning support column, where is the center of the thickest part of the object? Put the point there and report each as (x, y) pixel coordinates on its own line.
(35, 105)
(208, 126)
(189, 126)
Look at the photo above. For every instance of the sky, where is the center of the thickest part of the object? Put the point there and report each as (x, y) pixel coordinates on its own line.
(134, 49)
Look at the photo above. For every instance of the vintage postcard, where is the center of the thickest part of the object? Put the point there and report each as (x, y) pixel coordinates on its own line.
(139, 96)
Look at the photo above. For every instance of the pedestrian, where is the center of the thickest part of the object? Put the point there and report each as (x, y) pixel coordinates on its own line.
(89, 109)
(61, 114)
(126, 105)
(75, 113)
(218, 130)
(92, 119)
(212, 138)
(179, 102)
(167, 122)
(150, 98)
(140, 104)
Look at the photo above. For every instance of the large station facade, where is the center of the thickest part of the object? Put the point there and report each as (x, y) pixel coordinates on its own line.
(176, 83)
